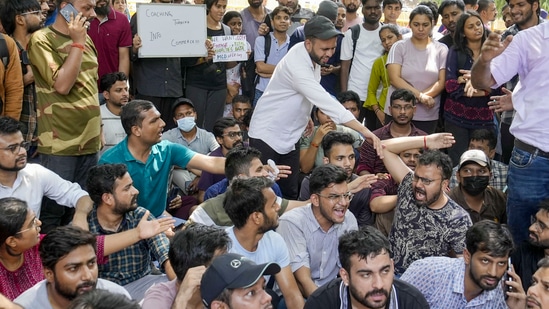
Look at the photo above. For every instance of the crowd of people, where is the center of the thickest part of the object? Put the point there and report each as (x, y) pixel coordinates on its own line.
(350, 162)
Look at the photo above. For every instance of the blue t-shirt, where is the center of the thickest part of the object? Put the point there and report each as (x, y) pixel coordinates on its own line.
(221, 187)
(150, 178)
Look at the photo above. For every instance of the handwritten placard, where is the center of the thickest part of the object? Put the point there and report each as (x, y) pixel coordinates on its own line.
(229, 48)
(171, 30)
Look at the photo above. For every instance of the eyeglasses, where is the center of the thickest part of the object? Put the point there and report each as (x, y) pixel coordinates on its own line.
(425, 181)
(233, 134)
(334, 198)
(406, 108)
(34, 226)
(32, 12)
(15, 148)
(538, 225)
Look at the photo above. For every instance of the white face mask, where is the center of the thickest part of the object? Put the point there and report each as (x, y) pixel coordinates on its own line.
(186, 124)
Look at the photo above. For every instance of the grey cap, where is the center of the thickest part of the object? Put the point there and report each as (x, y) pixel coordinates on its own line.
(476, 156)
(327, 9)
(320, 27)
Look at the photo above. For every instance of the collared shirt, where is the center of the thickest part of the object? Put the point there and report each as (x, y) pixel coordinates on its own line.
(369, 160)
(310, 246)
(151, 177)
(203, 142)
(498, 179)
(441, 281)
(419, 231)
(276, 53)
(34, 182)
(283, 110)
(133, 262)
(526, 55)
(493, 207)
(108, 35)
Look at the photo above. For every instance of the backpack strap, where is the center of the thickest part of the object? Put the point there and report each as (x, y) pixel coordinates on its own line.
(267, 49)
(4, 52)
(355, 33)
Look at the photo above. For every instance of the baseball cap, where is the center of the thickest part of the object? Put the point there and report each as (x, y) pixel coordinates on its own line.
(328, 9)
(181, 101)
(320, 27)
(232, 271)
(476, 156)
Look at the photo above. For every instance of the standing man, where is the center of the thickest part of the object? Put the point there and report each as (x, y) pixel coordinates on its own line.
(498, 62)
(351, 17)
(112, 36)
(64, 62)
(300, 14)
(391, 13)
(367, 277)
(252, 17)
(357, 57)
(450, 11)
(487, 11)
(115, 91)
(282, 113)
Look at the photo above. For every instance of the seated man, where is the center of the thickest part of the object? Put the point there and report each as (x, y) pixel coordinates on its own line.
(70, 267)
(31, 182)
(233, 281)
(485, 140)
(100, 299)
(367, 277)
(149, 159)
(527, 255)
(228, 134)
(188, 134)
(252, 206)
(116, 210)
(351, 101)
(338, 150)
(427, 222)
(481, 201)
(473, 281)
(312, 232)
(241, 107)
(191, 251)
(114, 87)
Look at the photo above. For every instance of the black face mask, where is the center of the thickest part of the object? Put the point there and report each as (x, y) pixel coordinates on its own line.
(475, 185)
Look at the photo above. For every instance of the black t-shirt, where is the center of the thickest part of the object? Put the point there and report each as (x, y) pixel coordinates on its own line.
(525, 261)
(208, 75)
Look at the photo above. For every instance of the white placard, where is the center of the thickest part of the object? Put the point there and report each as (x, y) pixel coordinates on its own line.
(171, 30)
(230, 48)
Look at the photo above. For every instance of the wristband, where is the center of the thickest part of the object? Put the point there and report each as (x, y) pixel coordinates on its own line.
(314, 145)
(78, 45)
(486, 93)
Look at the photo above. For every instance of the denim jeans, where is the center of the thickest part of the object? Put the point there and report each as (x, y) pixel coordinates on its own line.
(528, 185)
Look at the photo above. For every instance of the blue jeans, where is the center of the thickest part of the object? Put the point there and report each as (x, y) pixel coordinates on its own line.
(258, 94)
(528, 185)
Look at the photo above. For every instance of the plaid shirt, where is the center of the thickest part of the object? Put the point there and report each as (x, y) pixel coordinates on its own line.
(133, 262)
(498, 179)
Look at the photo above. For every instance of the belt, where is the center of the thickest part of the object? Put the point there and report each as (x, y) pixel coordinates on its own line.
(530, 149)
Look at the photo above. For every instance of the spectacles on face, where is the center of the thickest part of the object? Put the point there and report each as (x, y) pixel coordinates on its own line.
(15, 148)
(34, 226)
(234, 134)
(406, 108)
(32, 12)
(425, 181)
(334, 198)
(538, 225)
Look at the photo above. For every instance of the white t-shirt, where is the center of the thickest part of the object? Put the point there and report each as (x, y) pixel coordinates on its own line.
(112, 128)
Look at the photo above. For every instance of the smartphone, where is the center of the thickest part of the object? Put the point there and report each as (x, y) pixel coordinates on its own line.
(325, 65)
(506, 277)
(67, 10)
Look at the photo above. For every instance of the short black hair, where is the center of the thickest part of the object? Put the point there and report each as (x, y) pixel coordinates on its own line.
(11, 8)
(61, 241)
(244, 197)
(364, 1)
(221, 124)
(404, 95)
(544, 205)
(489, 237)
(101, 179)
(470, 2)
(441, 160)
(325, 175)
(238, 161)
(446, 3)
(110, 79)
(366, 242)
(348, 95)
(131, 114)
(483, 5)
(195, 246)
(387, 2)
(103, 299)
(13, 214)
(9, 125)
(484, 135)
(279, 9)
(239, 98)
(335, 137)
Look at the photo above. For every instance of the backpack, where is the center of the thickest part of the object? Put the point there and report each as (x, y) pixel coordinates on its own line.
(4, 53)
(355, 33)
(248, 77)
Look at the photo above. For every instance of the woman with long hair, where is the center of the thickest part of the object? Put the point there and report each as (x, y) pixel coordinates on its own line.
(418, 64)
(465, 109)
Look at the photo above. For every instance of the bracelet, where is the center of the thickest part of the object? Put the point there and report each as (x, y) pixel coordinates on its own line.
(314, 145)
(79, 46)
(425, 142)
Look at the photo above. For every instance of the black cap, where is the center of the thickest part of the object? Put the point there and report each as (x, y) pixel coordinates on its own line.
(328, 9)
(232, 271)
(320, 27)
(181, 101)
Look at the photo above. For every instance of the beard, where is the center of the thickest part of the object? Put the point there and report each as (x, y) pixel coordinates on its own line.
(316, 59)
(428, 201)
(268, 225)
(364, 300)
(544, 244)
(351, 8)
(15, 167)
(72, 294)
(478, 280)
(123, 208)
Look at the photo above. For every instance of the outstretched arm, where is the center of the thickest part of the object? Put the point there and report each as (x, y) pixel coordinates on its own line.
(481, 76)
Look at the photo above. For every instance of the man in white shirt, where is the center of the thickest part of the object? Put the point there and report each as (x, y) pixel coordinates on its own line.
(114, 87)
(70, 267)
(282, 113)
(31, 182)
